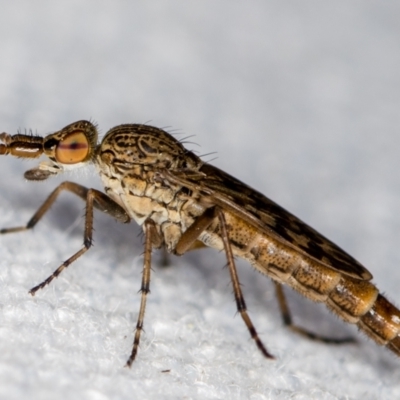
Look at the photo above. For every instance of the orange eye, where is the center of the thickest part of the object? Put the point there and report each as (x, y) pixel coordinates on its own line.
(73, 149)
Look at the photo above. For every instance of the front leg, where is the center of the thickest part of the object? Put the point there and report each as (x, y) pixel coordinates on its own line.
(99, 200)
(93, 199)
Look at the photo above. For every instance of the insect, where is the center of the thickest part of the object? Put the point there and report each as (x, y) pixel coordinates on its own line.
(183, 203)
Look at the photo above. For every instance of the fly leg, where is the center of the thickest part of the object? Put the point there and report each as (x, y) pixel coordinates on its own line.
(93, 198)
(287, 320)
(240, 303)
(152, 239)
(189, 241)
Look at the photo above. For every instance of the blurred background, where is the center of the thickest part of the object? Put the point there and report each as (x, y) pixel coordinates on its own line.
(299, 100)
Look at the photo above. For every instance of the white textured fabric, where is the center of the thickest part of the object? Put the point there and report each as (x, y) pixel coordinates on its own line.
(299, 99)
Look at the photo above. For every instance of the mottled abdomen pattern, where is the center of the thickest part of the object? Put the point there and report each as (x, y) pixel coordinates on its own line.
(354, 300)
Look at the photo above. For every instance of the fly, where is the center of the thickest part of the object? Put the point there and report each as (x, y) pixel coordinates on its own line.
(183, 203)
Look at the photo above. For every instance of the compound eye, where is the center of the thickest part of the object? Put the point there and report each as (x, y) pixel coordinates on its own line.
(73, 149)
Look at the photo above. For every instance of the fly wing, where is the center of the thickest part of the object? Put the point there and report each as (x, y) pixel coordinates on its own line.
(230, 194)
